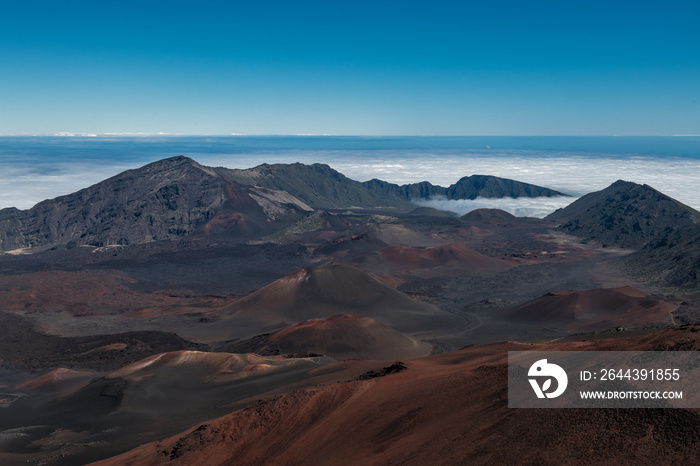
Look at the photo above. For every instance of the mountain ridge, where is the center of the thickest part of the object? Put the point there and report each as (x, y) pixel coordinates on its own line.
(468, 187)
(318, 185)
(177, 197)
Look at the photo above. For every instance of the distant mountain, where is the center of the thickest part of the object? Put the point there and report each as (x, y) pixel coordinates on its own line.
(673, 259)
(322, 187)
(469, 187)
(177, 197)
(317, 185)
(164, 200)
(625, 214)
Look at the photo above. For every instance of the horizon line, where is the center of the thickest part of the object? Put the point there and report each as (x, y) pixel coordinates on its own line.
(233, 135)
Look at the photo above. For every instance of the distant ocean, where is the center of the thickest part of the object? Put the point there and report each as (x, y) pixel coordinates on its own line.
(36, 168)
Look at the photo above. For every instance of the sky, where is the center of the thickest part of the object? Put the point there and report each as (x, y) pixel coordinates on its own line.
(360, 67)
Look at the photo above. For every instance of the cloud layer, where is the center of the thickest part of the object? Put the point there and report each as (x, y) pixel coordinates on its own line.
(26, 180)
(520, 207)
(573, 174)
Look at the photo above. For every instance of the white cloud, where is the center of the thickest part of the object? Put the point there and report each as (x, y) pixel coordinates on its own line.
(24, 186)
(24, 182)
(573, 174)
(520, 207)
(76, 135)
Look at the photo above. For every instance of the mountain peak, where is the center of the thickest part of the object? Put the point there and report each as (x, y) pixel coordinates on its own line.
(164, 200)
(624, 183)
(177, 158)
(178, 161)
(477, 177)
(630, 186)
(172, 161)
(624, 214)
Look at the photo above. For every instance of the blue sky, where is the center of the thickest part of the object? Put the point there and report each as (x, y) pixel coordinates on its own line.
(368, 68)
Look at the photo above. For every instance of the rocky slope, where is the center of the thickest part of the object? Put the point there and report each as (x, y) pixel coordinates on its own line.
(625, 214)
(318, 185)
(673, 259)
(164, 200)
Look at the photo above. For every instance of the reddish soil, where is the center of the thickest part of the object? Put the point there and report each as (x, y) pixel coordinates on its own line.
(448, 260)
(329, 290)
(94, 292)
(594, 309)
(447, 409)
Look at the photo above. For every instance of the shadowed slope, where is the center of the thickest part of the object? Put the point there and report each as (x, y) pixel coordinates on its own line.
(673, 259)
(23, 347)
(146, 400)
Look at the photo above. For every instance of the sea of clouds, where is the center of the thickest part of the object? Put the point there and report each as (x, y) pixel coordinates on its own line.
(26, 180)
(572, 174)
(520, 207)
